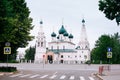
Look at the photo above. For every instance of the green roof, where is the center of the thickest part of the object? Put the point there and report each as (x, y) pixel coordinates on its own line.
(70, 36)
(62, 30)
(53, 34)
(65, 34)
(57, 51)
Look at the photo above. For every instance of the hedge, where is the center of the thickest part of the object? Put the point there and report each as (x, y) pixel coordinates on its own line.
(8, 69)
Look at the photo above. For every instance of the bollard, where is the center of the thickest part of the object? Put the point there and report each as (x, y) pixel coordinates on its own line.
(100, 70)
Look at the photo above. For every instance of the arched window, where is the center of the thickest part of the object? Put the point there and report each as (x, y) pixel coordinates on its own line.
(51, 47)
(61, 56)
(41, 44)
(38, 44)
(63, 47)
(86, 47)
(57, 47)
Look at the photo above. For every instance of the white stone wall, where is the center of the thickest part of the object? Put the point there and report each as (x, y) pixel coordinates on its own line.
(66, 45)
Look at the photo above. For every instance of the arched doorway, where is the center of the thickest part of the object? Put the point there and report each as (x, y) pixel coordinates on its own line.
(50, 59)
(61, 61)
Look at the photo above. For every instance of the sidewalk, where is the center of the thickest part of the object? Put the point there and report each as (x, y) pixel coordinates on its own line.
(5, 73)
(111, 75)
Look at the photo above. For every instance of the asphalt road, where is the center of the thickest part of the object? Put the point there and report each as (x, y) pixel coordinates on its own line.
(50, 75)
(51, 72)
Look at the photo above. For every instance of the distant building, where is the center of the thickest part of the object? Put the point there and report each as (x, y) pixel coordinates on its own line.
(61, 47)
(20, 56)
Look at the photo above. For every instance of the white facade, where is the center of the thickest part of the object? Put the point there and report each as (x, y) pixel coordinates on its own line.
(40, 45)
(62, 49)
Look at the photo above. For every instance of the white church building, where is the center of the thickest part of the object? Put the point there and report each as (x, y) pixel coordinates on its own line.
(61, 47)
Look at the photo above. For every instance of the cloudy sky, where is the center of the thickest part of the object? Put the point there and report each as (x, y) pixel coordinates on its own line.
(71, 13)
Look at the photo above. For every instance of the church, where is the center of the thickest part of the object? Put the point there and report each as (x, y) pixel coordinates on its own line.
(61, 48)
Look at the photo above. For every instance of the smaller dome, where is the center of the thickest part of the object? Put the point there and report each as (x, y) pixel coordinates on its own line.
(62, 30)
(83, 21)
(65, 34)
(41, 22)
(53, 34)
(70, 36)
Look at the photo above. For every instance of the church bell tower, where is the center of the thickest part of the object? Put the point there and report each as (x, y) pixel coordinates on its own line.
(40, 44)
(83, 45)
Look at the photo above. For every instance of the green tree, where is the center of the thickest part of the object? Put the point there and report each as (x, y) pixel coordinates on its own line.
(100, 50)
(111, 9)
(30, 53)
(99, 53)
(116, 49)
(15, 25)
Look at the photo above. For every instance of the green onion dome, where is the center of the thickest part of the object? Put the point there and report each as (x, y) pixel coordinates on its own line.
(62, 30)
(53, 34)
(41, 22)
(83, 21)
(65, 34)
(70, 36)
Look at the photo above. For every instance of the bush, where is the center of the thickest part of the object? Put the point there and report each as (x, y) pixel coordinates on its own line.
(13, 61)
(8, 69)
(88, 62)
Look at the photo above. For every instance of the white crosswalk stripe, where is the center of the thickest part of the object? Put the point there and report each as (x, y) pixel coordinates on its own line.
(91, 78)
(62, 77)
(52, 77)
(25, 75)
(15, 75)
(72, 77)
(82, 78)
(36, 75)
(44, 76)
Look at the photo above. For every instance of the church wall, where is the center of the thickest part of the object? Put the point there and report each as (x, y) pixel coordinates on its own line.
(68, 56)
(84, 55)
(61, 46)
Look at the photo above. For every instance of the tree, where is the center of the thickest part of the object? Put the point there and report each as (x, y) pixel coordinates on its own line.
(116, 49)
(99, 53)
(100, 50)
(30, 53)
(111, 9)
(15, 25)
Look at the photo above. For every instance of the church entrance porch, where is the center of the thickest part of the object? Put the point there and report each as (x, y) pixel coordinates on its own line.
(50, 57)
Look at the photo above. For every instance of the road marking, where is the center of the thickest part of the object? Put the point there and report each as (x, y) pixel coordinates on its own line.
(55, 73)
(72, 77)
(62, 77)
(82, 78)
(52, 77)
(16, 75)
(44, 76)
(1, 74)
(34, 76)
(91, 78)
(25, 75)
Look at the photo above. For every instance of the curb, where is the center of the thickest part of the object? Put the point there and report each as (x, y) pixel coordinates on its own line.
(4, 73)
(98, 76)
(1, 74)
(7, 73)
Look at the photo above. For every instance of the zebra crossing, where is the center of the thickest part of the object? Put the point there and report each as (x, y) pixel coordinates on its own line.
(51, 77)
